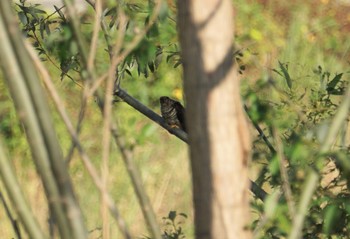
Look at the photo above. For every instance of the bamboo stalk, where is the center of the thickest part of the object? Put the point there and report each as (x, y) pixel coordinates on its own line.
(34, 113)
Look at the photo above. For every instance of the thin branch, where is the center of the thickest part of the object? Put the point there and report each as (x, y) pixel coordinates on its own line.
(106, 134)
(283, 163)
(79, 123)
(107, 116)
(96, 84)
(261, 132)
(145, 204)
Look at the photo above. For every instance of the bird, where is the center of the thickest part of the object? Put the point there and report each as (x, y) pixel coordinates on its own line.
(172, 112)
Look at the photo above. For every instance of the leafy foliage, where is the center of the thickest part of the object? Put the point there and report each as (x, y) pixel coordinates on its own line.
(302, 132)
(173, 228)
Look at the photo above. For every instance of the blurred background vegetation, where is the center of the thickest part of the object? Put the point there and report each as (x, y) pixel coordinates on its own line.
(294, 61)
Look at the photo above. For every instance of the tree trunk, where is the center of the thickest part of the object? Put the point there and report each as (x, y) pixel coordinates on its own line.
(218, 132)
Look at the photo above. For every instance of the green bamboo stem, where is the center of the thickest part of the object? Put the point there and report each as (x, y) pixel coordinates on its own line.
(34, 112)
(26, 112)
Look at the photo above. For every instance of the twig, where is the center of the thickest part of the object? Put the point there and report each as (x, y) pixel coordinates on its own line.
(261, 132)
(79, 123)
(106, 133)
(145, 204)
(107, 117)
(284, 175)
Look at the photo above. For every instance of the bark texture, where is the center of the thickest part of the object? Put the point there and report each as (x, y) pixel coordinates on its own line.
(217, 127)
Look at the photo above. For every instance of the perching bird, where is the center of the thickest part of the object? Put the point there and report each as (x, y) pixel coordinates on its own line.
(173, 112)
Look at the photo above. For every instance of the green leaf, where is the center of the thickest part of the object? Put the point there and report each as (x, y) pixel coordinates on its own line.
(172, 215)
(146, 133)
(331, 214)
(47, 28)
(37, 10)
(286, 75)
(128, 72)
(163, 12)
(22, 17)
(177, 64)
(333, 83)
(58, 10)
(274, 167)
(271, 204)
(41, 29)
(111, 11)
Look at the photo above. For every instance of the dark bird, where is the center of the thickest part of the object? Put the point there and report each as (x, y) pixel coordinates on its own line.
(173, 112)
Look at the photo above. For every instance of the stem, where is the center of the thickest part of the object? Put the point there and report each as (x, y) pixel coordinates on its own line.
(18, 201)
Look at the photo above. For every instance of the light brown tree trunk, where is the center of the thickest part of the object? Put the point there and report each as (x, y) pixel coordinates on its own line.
(218, 132)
